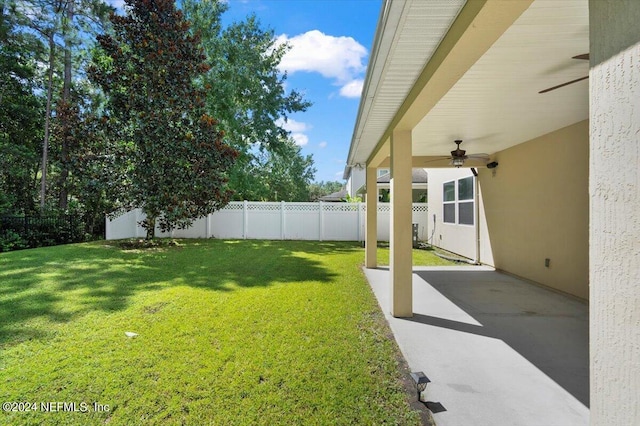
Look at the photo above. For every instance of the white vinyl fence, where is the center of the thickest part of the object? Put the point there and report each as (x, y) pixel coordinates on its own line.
(275, 221)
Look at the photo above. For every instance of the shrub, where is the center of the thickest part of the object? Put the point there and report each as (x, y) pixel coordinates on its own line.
(10, 240)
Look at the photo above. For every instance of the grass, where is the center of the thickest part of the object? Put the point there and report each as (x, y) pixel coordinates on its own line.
(229, 332)
(420, 257)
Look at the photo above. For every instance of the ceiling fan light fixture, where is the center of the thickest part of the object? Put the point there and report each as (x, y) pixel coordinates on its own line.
(458, 162)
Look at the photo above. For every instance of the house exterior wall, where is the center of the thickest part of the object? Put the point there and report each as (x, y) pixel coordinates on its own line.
(356, 181)
(537, 207)
(460, 239)
(615, 211)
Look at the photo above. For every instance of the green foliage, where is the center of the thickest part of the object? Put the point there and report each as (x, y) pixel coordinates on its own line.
(11, 240)
(175, 161)
(18, 232)
(246, 92)
(95, 181)
(319, 189)
(283, 175)
(384, 196)
(296, 338)
(21, 114)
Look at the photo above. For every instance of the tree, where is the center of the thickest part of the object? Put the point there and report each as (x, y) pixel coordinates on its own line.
(246, 92)
(21, 113)
(319, 189)
(283, 175)
(176, 160)
(90, 17)
(61, 26)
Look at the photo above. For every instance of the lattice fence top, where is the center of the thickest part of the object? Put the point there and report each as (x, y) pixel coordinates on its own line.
(386, 207)
(234, 205)
(314, 207)
(264, 207)
(340, 207)
(302, 207)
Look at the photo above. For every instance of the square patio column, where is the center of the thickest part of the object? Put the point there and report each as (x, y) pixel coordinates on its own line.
(371, 235)
(614, 235)
(400, 261)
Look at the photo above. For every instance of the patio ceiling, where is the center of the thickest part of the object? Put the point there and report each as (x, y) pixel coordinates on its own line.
(495, 103)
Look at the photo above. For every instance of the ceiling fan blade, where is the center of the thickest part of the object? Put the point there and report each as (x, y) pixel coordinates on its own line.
(478, 157)
(583, 56)
(443, 158)
(563, 84)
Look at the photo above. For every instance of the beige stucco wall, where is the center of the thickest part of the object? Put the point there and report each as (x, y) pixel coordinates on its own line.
(614, 81)
(537, 207)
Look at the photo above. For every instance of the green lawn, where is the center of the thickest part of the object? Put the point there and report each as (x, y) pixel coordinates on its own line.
(229, 332)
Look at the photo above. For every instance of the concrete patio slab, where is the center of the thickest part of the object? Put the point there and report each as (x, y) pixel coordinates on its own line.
(498, 350)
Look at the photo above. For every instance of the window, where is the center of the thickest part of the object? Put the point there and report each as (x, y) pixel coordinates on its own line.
(465, 201)
(458, 201)
(449, 202)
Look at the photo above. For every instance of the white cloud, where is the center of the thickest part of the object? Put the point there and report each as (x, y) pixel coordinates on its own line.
(338, 58)
(118, 4)
(292, 125)
(296, 129)
(322, 144)
(352, 89)
(300, 138)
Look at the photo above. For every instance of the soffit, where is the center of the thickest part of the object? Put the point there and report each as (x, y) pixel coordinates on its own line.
(496, 103)
(408, 33)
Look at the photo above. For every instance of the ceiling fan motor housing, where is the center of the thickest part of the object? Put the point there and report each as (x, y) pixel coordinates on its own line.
(458, 153)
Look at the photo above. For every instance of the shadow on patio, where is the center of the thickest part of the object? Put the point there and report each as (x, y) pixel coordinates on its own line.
(497, 349)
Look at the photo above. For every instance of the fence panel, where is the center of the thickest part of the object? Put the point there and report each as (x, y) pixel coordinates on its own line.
(302, 221)
(275, 221)
(264, 221)
(197, 230)
(228, 223)
(30, 231)
(340, 222)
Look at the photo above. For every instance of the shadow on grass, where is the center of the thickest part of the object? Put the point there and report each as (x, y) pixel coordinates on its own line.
(61, 283)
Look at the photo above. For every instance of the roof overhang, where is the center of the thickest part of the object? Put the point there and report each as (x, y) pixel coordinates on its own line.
(450, 69)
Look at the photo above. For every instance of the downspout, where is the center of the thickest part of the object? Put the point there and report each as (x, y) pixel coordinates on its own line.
(476, 212)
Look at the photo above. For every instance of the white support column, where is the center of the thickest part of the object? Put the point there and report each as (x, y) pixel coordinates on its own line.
(614, 229)
(371, 222)
(400, 239)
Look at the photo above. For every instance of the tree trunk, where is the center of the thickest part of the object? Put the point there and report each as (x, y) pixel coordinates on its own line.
(151, 227)
(66, 98)
(47, 119)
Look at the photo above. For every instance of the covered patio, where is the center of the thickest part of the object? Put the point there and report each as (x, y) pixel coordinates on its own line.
(548, 90)
(498, 350)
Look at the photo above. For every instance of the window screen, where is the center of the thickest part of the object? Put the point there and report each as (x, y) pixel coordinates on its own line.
(449, 213)
(465, 213)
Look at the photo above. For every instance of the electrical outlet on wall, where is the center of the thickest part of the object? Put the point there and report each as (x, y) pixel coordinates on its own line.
(547, 262)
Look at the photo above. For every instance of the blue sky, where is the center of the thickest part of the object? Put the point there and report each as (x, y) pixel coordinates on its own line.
(331, 41)
(330, 45)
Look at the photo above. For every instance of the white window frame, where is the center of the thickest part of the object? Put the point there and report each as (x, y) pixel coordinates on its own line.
(457, 201)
